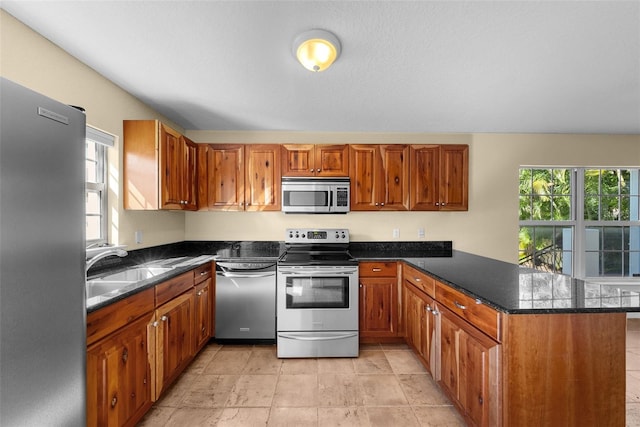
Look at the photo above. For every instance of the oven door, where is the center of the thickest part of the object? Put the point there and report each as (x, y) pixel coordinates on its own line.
(317, 298)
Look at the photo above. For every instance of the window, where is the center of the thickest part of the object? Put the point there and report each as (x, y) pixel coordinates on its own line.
(96, 185)
(584, 221)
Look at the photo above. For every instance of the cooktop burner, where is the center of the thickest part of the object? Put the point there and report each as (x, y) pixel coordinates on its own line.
(328, 246)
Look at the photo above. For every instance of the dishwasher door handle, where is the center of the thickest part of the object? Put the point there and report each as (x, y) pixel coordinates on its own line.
(318, 338)
(245, 275)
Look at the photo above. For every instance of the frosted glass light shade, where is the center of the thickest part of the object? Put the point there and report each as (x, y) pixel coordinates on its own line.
(316, 50)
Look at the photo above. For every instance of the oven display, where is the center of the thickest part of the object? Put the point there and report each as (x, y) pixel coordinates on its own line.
(317, 235)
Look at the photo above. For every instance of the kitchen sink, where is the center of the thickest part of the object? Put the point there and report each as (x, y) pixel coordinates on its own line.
(135, 274)
(102, 287)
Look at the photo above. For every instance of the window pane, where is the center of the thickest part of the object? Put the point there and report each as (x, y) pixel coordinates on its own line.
(612, 238)
(562, 208)
(591, 208)
(592, 181)
(93, 228)
(525, 208)
(609, 210)
(541, 208)
(93, 205)
(612, 264)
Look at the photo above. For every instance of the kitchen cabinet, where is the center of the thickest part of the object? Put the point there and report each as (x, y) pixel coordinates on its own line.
(378, 293)
(159, 167)
(469, 369)
(315, 160)
(420, 325)
(241, 177)
(203, 306)
(379, 177)
(173, 329)
(119, 375)
(439, 177)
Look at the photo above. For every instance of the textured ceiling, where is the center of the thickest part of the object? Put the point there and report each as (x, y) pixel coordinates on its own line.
(422, 66)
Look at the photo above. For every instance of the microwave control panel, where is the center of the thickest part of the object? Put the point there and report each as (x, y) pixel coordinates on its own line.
(313, 235)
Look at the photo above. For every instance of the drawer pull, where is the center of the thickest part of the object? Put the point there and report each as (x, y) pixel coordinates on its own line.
(417, 279)
(376, 270)
(460, 306)
(428, 308)
(164, 318)
(202, 273)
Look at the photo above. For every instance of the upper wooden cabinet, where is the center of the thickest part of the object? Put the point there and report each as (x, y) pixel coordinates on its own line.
(315, 160)
(159, 167)
(240, 177)
(439, 177)
(379, 177)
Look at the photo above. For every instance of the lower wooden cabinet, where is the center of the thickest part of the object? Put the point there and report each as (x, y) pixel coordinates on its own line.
(119, 377)
(420, 325)
(378, 283)
(203, 305)
(469, 369)
(173, 339)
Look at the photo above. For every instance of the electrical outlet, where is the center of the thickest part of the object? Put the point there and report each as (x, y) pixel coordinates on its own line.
(396, 233)
(421, 233)
(138, 236)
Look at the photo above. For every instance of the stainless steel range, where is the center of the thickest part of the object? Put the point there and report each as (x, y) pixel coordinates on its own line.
(317, 295)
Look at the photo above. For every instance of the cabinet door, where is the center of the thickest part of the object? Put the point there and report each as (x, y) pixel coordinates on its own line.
(171, 167)
(365, 173)
(189, 175)
(454, 177)
(331, 160)
(202, 328)
(394, 191)
(119, 377)
(414, 308)
(298, 159)
(474, 378)
(226, 177)
(378, 307)
(425, 165)
(262, 177)
(174, 339)
(449, 335)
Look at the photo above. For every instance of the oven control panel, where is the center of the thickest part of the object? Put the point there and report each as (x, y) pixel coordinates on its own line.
(317, 235)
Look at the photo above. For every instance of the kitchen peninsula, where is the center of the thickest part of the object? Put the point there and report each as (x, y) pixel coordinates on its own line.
(509, 346)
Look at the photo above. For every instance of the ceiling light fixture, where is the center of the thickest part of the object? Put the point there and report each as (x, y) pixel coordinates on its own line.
(316, 50)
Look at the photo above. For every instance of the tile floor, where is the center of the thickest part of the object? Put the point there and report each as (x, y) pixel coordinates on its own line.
(385, 386)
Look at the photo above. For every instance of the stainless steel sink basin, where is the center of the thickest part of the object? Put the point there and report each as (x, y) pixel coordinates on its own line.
(102, 287)
(136, 274)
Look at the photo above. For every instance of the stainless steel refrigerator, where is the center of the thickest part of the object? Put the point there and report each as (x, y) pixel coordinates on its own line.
(42, 254)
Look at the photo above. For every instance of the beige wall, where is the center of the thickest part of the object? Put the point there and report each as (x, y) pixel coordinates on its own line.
(489, 227)
(32, 61)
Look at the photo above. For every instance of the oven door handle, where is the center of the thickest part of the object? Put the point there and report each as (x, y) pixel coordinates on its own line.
(318, 338)
(332, 272)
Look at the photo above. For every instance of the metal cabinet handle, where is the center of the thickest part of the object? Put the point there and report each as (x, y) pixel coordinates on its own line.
(360, 284)
(460, 306)
(114, 401)
(164, 318)
(417, 279)
(202, 273)
(443, 203)
(435, 312)
(155, 324)
(376, 203)
(376, 270)
(437, 203)
(428, 308)
(125, 355)
(382, 204)
(199, 293)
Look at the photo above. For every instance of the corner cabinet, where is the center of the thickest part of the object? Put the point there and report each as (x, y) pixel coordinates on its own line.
(159, 167)
(379, 177)
(239, 177)
(315, 160)
(439, 177)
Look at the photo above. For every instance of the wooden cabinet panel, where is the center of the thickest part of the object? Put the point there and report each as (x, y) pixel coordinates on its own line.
(420, 280)
(203, 305)
(119, 377)
(378, 307)
(439, 177)
(104, 321)
(173, 287)
(379, 177)
(378, 269)
(315, 160)
(420, 331)
(159, 167)
(262, 177)
(225, 177)
(481, 316)
(174, 339)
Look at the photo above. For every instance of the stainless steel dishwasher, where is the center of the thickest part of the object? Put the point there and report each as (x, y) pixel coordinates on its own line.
(246, 300)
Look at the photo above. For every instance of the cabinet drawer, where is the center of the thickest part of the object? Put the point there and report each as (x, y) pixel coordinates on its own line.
(170, 289)
(378, 269)
(420, 280)
(202, 273)
(479, 315)
(102, 322)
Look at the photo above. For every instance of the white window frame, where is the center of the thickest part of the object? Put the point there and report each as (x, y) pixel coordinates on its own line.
(579, 225)
(103, 141)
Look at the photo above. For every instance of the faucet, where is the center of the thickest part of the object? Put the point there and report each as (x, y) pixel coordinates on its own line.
(101, 255)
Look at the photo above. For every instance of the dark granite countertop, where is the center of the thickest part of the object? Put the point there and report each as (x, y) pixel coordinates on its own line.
(501, 285)
(510, 288)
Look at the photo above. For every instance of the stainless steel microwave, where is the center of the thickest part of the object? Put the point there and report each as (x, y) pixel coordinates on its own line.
(315, 195)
